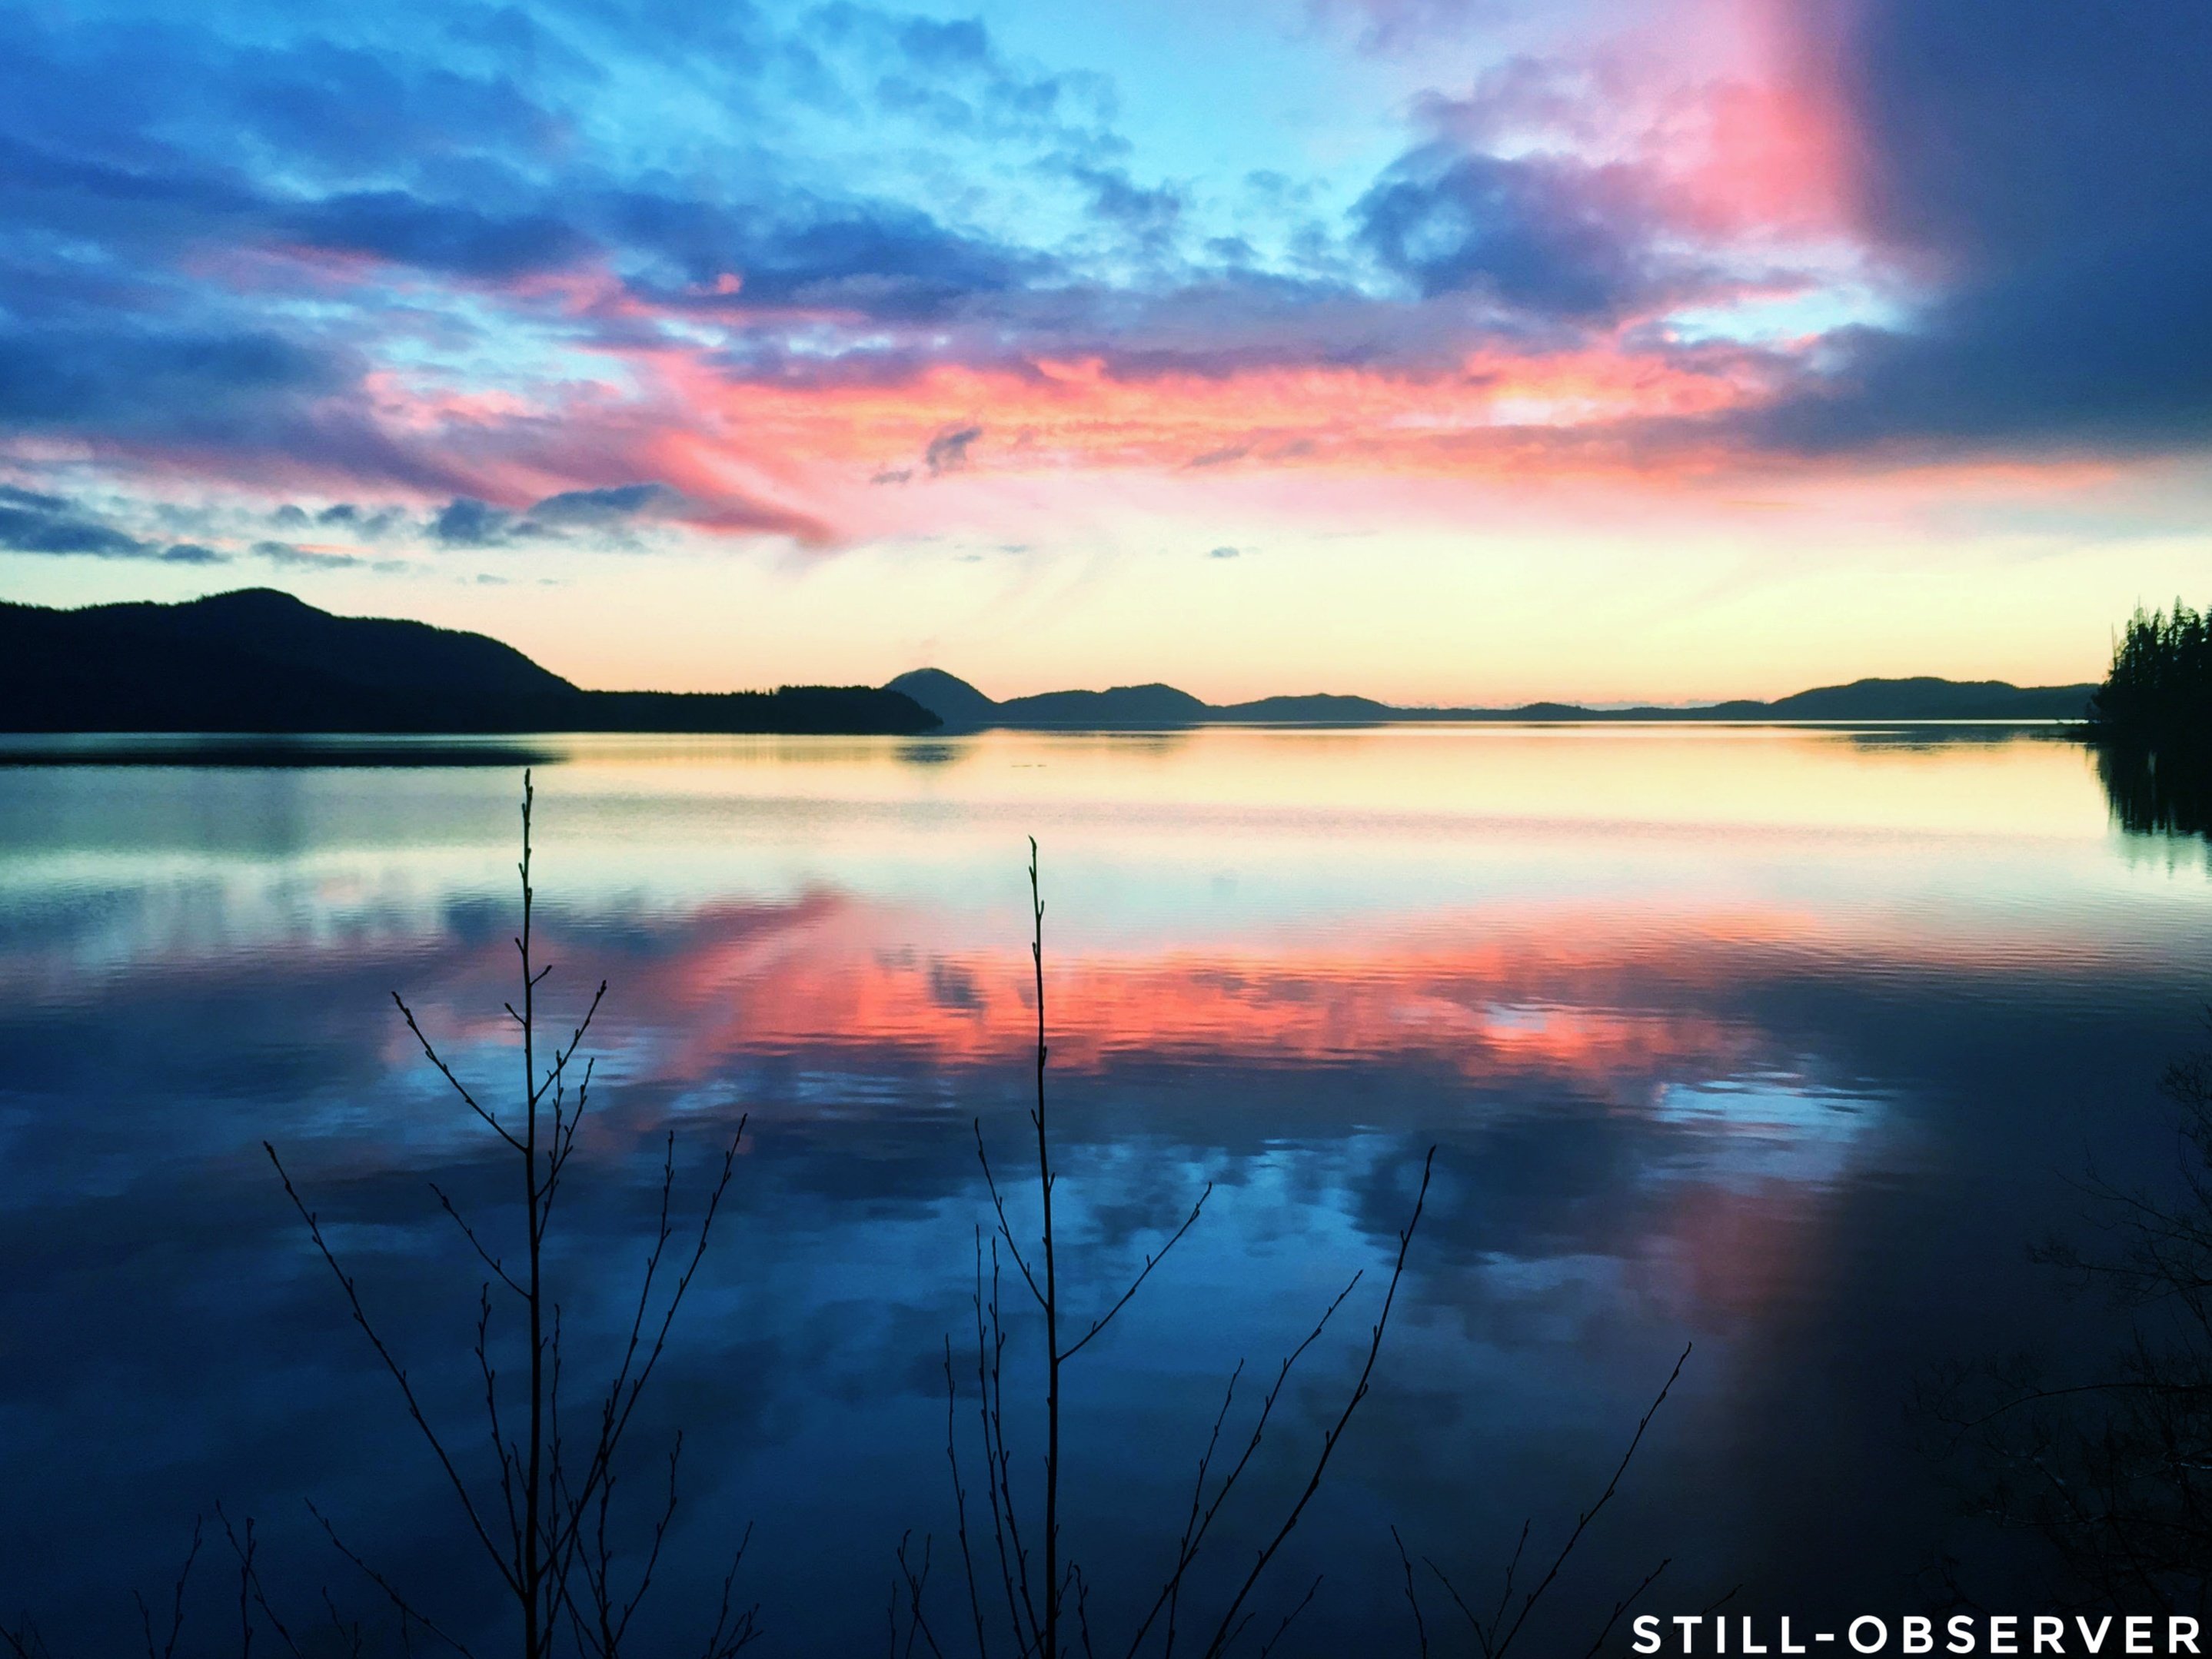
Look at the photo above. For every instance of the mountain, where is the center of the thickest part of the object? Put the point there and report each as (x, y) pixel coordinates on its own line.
(258, 660)
(1318, 708)
(1124, 708)
(1923, 698)
(1153, 707)
(1121, 709)
(953, 701)
(262, 661)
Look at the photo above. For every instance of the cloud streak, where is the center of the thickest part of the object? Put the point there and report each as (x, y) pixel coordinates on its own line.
(33, 522)
(532, 276)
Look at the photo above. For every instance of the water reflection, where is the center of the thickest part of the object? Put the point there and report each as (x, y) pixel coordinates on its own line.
(1784, 1041)
(2154, 794)
(262, 751)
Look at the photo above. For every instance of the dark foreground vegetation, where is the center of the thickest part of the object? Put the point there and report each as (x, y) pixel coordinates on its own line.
(2107, 1459)
(261, 661)
(548, 1492)
(2152, 723)
(2158, 695)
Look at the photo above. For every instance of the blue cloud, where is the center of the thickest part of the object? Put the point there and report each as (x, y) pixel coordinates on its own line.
(599, 507)
(30, 530)
(1544, 234)
(468, 522)
(465, 521)
(440, 236)
(2057, 164)
(129, 378)
(32, 521)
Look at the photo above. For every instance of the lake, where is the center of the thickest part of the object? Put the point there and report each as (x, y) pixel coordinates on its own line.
(1784, 1044)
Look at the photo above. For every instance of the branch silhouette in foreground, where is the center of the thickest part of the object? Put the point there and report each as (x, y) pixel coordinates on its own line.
(2112, 1472)
(1493, 1635)
(1039, 1605)
(540, 1508)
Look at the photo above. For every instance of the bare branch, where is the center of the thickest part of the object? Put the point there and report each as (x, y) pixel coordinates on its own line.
(1626, 1602)
(1006, 1231)
(250, 1588)
(1291, 1617)
(407, 1611)
(482, 1255)
(960, 1506)
(398, 1372)
(1413, 1597)
(1195, 1538)
(459, 1088)
(1344, 1419)
(1583, 1520)
(168, 1651)
(1137, 1284)
(916, 1582)
(732, 1631)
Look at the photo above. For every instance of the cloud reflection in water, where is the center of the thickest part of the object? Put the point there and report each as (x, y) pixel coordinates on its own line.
(1782, 1041)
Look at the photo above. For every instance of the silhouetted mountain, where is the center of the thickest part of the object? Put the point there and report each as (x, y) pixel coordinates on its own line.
(1123, 707)
(1924, 698)
(1140, 707)
(951, 699)
(1320, 709)
(1561, 711)
(258, 660)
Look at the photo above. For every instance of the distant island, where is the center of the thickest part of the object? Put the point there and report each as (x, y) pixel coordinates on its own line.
(1163, 708)
(260, 662)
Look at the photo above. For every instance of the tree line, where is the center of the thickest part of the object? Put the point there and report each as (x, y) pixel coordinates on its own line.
(2158, 694)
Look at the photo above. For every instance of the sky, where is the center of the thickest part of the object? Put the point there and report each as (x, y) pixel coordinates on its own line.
(1441, 351)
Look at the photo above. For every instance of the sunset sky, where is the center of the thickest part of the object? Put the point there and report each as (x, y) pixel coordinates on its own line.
(1443, 351)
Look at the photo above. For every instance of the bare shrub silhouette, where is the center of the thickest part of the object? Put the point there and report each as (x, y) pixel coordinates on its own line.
(540, 1502)
(2113, 1473)
(1040, 1604)
(1030, 1614)
(541, 1507)
(1494, 1634)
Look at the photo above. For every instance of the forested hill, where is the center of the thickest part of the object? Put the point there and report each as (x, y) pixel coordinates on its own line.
(259, 660)
(1152, 707)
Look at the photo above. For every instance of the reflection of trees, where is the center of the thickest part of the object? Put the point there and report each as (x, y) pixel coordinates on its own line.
(2152, 720)
(2114, 1474)
(2157, 793)
(1935, 737)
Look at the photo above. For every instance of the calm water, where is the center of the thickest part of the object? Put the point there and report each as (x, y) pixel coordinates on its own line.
(1786, 1043)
